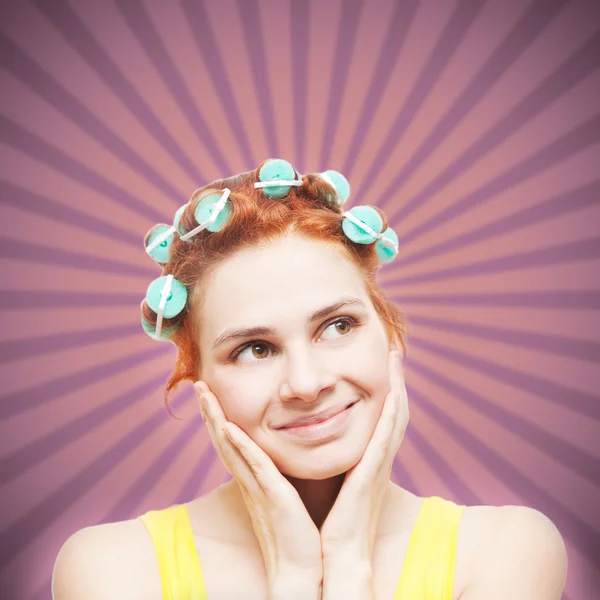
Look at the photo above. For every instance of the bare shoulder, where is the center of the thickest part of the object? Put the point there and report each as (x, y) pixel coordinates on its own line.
(510, 552)
(109, 561)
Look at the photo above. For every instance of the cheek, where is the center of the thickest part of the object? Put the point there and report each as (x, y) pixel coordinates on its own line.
(242, 404)
(366, 363)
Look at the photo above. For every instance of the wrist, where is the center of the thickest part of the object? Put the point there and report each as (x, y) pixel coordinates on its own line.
(348, 578)
(349, 556)
(296, 586)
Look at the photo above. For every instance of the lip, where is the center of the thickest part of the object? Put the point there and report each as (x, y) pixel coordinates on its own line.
(322, 431)
(317, 417)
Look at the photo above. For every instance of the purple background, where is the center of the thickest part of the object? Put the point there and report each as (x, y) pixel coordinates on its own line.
(474, 125)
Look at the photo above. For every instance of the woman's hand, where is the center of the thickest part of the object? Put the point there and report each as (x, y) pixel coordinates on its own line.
(288, 538)
(350, 527)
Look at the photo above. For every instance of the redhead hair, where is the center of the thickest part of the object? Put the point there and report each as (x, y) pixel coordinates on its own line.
(257, 221)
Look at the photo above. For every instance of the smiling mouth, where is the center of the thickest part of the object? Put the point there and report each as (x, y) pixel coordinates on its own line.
(322, 431)
(317, 421)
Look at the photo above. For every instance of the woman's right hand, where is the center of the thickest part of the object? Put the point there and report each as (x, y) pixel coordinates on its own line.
(289, 540)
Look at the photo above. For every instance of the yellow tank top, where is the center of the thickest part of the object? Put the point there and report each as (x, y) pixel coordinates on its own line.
(427, 572)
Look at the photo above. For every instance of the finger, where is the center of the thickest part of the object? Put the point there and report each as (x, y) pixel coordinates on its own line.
(397, 382)
(377, 449)
(228, 452)
(379, 445)
(389, 415)
(263, 468)
(264, 471)
(398, 386)
(243, 448)
(398, 390)
(212, 407)
(384, 443)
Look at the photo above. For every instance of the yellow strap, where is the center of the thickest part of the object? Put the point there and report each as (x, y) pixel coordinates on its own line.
(428, 569)
(180, 572)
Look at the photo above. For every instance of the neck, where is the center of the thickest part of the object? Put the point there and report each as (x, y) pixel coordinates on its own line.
(318, 496)
(398, 512)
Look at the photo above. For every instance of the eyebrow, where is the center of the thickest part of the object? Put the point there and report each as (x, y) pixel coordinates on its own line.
(231, 334)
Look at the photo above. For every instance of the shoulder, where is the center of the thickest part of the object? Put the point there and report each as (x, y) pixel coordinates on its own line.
(108, 561)
(511, 552)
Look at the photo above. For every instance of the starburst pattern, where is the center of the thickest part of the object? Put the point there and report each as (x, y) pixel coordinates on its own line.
(475, 125)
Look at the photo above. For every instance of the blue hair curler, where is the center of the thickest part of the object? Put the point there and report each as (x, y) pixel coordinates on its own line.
(207, 207)
(387, 246)
(165, 332)
(212, 212)
(177, 220)
(158, 242)
(276, 178)
(339, 183)
(362, 224)
(166, 297)
(176, 296)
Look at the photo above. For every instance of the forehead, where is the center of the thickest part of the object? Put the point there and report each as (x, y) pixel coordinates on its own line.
(287, 279)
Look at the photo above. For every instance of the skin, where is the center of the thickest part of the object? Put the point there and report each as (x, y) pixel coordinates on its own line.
(304, 367)
(503, 552)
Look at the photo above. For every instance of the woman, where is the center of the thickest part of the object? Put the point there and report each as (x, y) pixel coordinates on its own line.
(269, 292)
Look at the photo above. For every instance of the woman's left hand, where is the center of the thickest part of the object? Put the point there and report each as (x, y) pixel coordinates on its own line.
(350, 527)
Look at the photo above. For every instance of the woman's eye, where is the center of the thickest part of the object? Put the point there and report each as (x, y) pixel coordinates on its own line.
(347, 324)
(251, 347)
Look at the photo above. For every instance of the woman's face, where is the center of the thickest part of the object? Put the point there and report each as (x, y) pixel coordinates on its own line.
(302, 366)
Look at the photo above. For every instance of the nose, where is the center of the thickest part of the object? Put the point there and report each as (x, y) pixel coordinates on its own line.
(305, 376)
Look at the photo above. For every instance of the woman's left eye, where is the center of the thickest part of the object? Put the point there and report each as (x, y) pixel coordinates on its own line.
(350, 323)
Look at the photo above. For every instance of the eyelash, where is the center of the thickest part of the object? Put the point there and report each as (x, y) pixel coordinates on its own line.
(352, 320)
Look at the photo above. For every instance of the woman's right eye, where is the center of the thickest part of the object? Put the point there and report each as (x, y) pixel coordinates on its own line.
(251, 346)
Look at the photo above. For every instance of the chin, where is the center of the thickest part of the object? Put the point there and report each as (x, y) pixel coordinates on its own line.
(321, 462)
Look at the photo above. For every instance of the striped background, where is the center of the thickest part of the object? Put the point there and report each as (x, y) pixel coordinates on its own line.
(474, 125)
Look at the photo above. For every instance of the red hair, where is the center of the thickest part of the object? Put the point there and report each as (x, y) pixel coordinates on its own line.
(255, 221)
